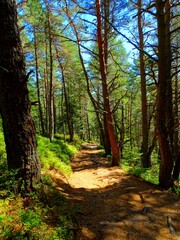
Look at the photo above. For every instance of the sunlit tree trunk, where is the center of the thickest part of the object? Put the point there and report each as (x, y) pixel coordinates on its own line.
(107, 144)
(87, 124)
(51, 93)
(122, 133)
(63, 114)
(55, 113)
(46, 87)
(37, 83)
(129, 114)
(106, 26)
(93, 101)
(69, 116)
(145, 132)
(19, 129)
(107, 110)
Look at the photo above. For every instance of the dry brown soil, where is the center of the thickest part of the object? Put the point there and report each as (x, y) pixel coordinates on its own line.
(108, 204)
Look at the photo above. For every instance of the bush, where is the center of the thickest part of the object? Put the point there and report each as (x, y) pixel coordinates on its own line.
(131, 163)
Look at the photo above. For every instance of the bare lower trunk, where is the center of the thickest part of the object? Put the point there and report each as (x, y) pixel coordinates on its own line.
(164, 100)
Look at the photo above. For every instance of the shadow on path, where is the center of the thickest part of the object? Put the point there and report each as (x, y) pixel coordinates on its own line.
(107, 204)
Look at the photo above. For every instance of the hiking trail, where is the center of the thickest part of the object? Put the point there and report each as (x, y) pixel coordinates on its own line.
(108, 204)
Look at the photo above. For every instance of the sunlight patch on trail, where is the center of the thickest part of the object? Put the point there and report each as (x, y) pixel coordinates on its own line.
(109, 204)
(97, 179)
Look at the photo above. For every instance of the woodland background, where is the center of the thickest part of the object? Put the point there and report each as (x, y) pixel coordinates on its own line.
(96, 71)
(83, 79)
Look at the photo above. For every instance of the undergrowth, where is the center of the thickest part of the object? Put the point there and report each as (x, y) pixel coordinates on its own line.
(56, 154)
(42, 214)
(39, 215)
(131, 163)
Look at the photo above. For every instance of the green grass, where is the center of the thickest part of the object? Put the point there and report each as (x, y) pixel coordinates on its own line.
(42, 214)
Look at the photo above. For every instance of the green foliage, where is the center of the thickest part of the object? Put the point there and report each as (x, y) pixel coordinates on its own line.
(131, 163)
(76, 141)
(39, 215)
(1, 128)
(109, 157)
(55, 154)
(131, 156)
(100, 147)
(30, 218)
(61, 229)
(8, 183)
(102, 154)
(176, 189)
(2, 149)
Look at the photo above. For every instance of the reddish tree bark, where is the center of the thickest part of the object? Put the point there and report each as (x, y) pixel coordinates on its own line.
(104, 138)
(107, 110)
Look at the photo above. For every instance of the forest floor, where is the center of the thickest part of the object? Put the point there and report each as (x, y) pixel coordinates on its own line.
(108, 204)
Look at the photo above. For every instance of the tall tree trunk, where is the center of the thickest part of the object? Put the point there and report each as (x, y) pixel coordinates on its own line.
(107, 110)
(169, 101)
(46, 85)
(164, 73)
(176, 106)
(62, 114)
(51, 93)
(69, 117)
(37, 83)
(55, 114)
(106, 7)
(122, 133)
(93, 101)
(130, 122)
(18, 126)
(145, 159)
(46, 102)
(176, 153)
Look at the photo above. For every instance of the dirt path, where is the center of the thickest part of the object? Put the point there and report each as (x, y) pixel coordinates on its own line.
(108, 204)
